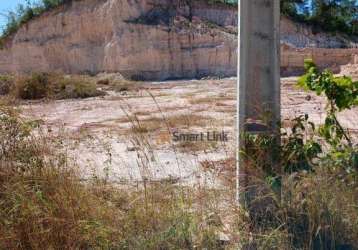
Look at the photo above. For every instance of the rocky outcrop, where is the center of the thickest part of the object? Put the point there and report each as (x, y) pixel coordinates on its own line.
(156, 40)
(351, 69)
(292, 59)
(300, 42)
(142, 39)
(300, 35)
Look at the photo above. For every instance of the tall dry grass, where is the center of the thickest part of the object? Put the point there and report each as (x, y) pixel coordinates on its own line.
(45, 205)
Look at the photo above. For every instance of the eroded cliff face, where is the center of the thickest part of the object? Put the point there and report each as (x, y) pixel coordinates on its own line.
(299, 42)
(300, 35)
(141, 39)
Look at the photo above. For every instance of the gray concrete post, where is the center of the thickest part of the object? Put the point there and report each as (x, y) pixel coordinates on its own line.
(259, 72)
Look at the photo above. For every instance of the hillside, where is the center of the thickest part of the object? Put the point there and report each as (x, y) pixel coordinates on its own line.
(300, 41)
(300, 35)
(156, 40)
(141, 40)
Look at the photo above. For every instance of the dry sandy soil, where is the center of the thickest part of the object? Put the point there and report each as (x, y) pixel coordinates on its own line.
(127, 136)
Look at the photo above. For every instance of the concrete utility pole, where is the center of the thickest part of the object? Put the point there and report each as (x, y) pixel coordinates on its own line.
(259, 73)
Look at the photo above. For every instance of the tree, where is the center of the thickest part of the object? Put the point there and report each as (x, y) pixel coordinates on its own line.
(334, 15)
(291, 7)
(330, 15)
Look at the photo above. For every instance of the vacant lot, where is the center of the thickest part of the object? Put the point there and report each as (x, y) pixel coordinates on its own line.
(129, 130)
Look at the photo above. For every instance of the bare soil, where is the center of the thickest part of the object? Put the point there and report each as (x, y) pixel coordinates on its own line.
(127, 136)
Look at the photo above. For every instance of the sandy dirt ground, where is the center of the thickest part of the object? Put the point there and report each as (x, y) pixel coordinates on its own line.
(127, 136)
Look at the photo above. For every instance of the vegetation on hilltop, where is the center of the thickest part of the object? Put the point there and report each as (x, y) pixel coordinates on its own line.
(25, 13)
(327, 15)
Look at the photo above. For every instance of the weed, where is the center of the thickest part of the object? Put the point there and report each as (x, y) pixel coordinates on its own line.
(44, 204)
(34, 87)
(67, 88)
(6, 83)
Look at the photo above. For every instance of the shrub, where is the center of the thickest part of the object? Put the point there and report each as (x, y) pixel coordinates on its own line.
(319, 210)
(36, 86)
(44, 85)
(125, 85)
(15, 140)
(342, 94)
(67, 88)
(6, 83)
(305, 199)
(331, 16)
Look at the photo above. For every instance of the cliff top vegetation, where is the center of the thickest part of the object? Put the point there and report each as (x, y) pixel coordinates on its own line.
(327, 15)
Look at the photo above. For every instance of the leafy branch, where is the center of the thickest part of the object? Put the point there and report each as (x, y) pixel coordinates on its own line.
(341, 93)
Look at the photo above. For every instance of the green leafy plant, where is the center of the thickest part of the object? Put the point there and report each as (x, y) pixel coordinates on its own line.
(296, 151)
(311, 173)
(299, 150)
(341, 93)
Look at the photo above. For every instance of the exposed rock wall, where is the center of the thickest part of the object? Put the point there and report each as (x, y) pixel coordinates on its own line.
(142, 39)
(299, 42)
(292, 59)
(299, 35)
(351, 69)
(156, 39)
